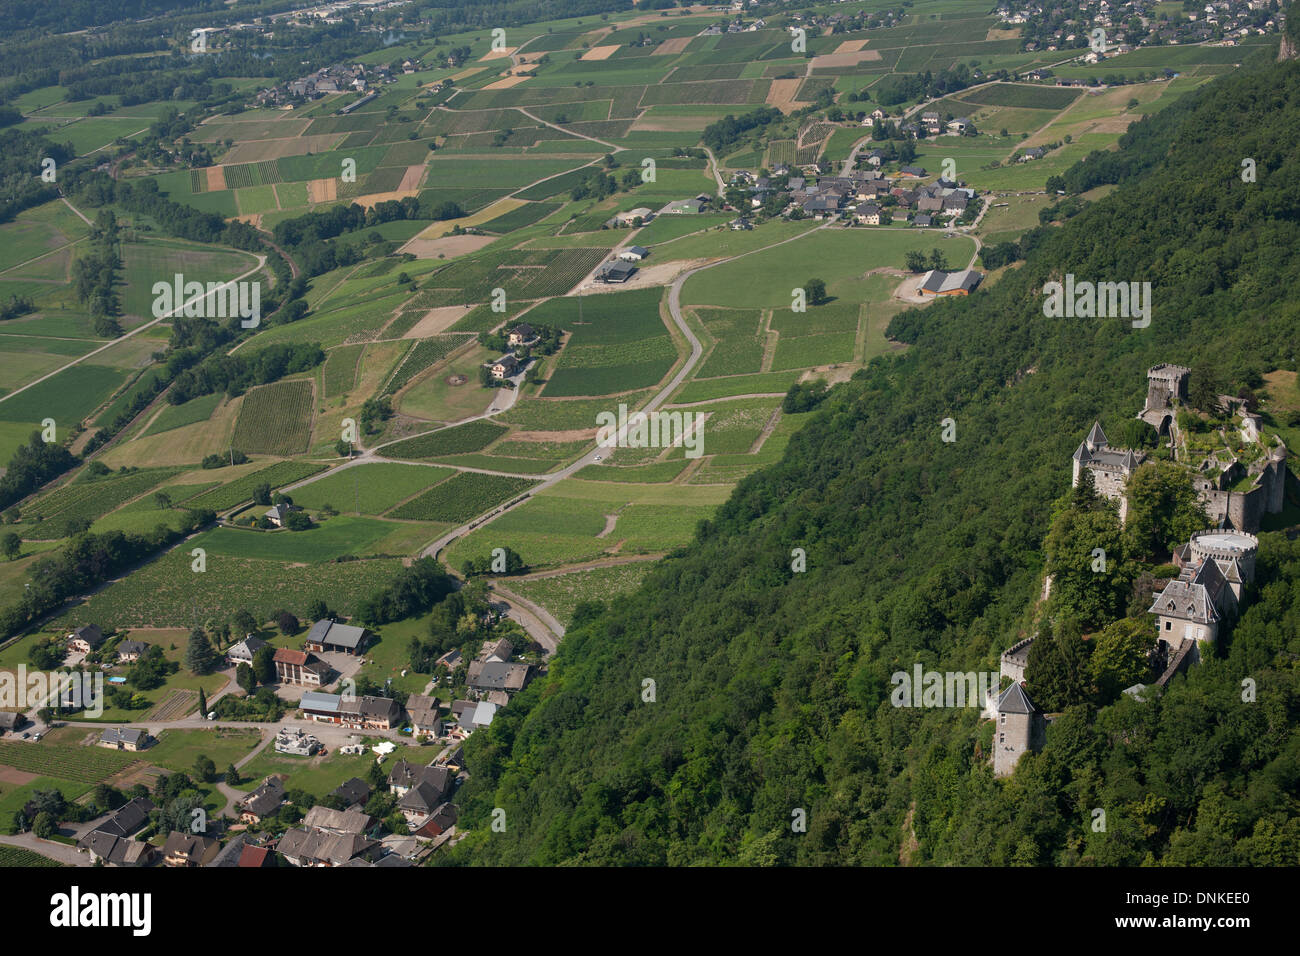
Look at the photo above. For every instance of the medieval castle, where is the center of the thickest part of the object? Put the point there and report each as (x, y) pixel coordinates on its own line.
(1214, 566)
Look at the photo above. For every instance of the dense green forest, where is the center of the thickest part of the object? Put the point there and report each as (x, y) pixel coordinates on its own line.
(771, 687)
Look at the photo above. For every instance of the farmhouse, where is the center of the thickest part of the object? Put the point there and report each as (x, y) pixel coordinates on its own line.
(115, 850)
(938, 282)
(682, 206)
(327, 636)
(85, 638)
(300, 667)
(124, 738)
(10, 721)
(630, 217)
(634, 253)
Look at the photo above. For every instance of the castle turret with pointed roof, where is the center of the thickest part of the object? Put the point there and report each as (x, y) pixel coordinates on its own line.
(1020, 728)
(1110, 467)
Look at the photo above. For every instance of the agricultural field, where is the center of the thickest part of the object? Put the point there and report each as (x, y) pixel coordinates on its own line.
(474, 436)
(241, 489)
(166, 592)
(275, 419)
(462, 497)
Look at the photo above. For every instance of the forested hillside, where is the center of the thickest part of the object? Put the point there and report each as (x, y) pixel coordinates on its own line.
(772, 687)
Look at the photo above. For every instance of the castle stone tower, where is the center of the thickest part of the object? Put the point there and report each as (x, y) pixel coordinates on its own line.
(1020, 728)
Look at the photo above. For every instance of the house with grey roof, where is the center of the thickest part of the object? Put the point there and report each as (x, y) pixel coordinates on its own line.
(124, 738)
(262, 802)
(424, 714)
(353, 792)
(86, 638)
(243, 652)
(130, 651)
(497, 675)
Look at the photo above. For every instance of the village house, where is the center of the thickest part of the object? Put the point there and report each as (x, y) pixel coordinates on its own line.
(278, 514)
(354, 792)
(244, 651)
(868, 214)
(329, 838)
(424, 714)
(85, 639)
(128, 652)
(300, 667)
(189, 849)
(124, 738)
(263, 802)
(497, 675)
(522, 336)
(504, 367)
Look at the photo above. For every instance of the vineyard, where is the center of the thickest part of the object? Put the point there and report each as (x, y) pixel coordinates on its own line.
(341, 369)
(462, 497)
(165, 593)
(275, 419)
(91, 499)
(241, 489)
(17, 856)
(523, 273)
(264, 173)
(404, 322)
(79, 764)
(448, 441)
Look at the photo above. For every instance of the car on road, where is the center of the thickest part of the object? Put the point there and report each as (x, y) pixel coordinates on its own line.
(597, 458)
